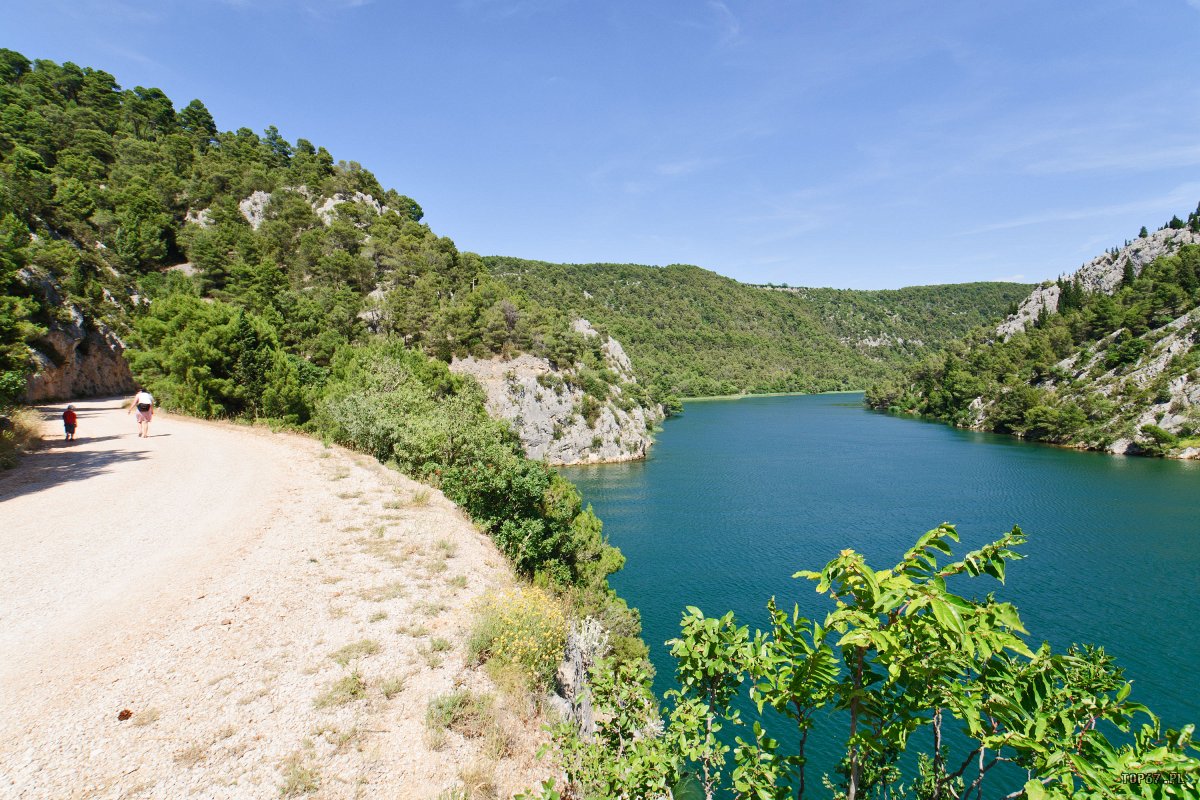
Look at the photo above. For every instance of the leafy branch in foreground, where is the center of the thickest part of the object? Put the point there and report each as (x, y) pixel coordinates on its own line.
(901, 655)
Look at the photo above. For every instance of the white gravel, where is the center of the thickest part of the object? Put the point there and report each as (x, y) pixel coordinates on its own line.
(200, 579)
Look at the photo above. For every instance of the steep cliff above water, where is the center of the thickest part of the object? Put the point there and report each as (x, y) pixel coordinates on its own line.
(554, 414)
(1105, 358)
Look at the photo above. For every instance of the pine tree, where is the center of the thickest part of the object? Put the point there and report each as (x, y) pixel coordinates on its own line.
(253, 357)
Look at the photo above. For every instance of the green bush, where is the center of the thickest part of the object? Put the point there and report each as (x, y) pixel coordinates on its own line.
(213, 359)
(523, 630)
(403, 407)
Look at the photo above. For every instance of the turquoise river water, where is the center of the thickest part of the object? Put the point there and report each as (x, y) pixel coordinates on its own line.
(738, 495)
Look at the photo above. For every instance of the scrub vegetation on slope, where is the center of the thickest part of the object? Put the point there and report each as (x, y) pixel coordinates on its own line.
(692, 332)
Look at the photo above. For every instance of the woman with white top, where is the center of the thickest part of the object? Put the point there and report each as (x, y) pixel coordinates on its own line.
(143, 404)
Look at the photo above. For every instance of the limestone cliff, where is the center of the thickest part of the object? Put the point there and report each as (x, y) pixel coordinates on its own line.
(1148, 385)
(1101, 274)
(1160, 388)
(78, 355)
(254, 207)
(556, 418)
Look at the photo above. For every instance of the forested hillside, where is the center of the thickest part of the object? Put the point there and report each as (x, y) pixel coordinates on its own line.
(256, 278)
(693, 332)
(1104, 358)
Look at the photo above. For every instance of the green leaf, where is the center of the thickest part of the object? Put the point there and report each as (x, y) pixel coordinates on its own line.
(947, 616)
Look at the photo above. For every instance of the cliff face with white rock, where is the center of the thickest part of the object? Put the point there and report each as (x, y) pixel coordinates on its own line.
(77, 355)
(1101, 274)
(1159, 389)
(1148, 383)
(556, 418)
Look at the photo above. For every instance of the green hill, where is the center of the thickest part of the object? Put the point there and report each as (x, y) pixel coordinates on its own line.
(693, 332)
(1103, 359)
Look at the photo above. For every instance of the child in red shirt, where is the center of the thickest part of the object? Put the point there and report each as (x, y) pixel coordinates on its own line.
(70, 420)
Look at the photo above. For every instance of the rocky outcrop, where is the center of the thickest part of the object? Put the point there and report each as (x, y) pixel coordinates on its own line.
(327, 208)
(82, 357)
(1155, 390)
(587, 643)
(553, 416)
(254, 207)
(1147, 387)
(78, 358)
(1101, 274)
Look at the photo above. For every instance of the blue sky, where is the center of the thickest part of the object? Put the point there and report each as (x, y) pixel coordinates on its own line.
(870, 144)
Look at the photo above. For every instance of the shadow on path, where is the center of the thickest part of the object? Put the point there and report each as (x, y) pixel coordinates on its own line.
(60, 464)
(60, 443)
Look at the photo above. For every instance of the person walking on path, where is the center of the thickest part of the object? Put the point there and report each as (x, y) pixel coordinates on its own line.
(70, 420)
(143, 404)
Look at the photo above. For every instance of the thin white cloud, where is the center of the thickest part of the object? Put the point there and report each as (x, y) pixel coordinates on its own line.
(315, 8)
(127, 13)
(135, 56)
(673, 169)
(719, 20)
(1132, 158)
(1194, 4)
(1178, 197)
(501, 9)
(789, 218)
(728, 25)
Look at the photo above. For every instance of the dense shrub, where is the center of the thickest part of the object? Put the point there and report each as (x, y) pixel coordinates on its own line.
(405, 408)
(213, 359)
(523, 630)
(20, 430)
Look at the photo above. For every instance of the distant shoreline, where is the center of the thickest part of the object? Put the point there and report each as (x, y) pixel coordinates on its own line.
(709, 397)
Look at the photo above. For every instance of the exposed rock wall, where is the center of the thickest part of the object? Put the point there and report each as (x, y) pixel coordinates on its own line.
(1101, 274)
(1159, 388)
(78, 359)
(546, 409)
(77, 356)
(1175, 396)
(254, 207)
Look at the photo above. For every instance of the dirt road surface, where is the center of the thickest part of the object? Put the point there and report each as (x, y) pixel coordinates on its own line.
(205, 581)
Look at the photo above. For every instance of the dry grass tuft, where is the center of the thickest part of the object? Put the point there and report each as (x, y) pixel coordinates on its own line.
(392, 687)
(389, 591)
(20, 432)
(343, 691)
(191, 756)
(479, 781)
(298, 778)
(359, 649)
(463, 711)
(146, 717)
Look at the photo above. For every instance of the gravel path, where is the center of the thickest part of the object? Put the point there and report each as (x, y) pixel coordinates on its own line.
(202, 579)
